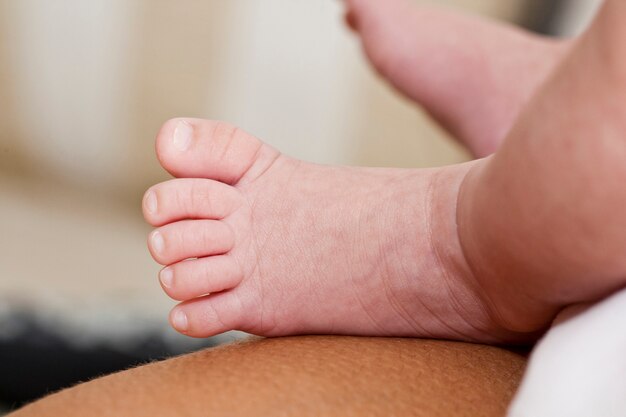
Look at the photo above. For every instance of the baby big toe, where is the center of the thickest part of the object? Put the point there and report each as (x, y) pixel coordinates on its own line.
(210, 149)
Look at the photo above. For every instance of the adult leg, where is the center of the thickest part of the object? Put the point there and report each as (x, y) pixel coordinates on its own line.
(305, 376)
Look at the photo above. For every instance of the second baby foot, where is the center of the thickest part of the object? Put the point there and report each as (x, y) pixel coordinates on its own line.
(472, 74)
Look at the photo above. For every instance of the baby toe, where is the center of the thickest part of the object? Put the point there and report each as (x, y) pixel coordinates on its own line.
(190, 239)
(196, 278)
(208, 316)
(210, 149)
(189, 198)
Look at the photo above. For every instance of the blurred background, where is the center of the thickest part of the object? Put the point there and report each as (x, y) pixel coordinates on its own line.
(85, 85)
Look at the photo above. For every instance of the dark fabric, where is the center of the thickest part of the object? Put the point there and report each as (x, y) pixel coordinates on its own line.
(35, 360)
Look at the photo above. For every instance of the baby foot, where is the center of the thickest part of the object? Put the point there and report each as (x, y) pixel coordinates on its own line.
(260, 242)
(473, 75)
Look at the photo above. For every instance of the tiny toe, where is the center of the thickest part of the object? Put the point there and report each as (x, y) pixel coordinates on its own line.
(208, 316)
(189, 198)
(210, 149)
(198, 277)
(382, 25)
(190, 239)
(364, 11)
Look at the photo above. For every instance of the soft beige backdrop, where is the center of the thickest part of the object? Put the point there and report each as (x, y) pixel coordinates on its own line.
(86, 84)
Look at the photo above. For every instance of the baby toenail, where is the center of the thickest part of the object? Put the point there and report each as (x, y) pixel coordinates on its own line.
(179, 321)
(166, 277)
(158, 244)
(183, 135)
(151, 202)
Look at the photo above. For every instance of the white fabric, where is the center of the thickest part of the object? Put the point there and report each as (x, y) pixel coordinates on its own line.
(579, 367)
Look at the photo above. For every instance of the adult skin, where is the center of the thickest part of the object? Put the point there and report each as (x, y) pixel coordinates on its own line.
(305, 376)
